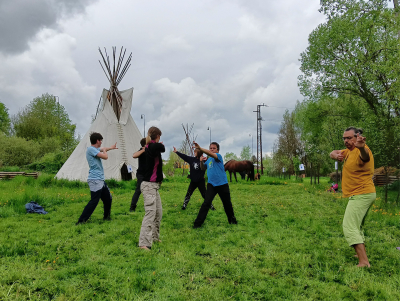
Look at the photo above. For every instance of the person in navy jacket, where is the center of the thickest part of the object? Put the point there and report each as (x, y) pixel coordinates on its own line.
(196, 176)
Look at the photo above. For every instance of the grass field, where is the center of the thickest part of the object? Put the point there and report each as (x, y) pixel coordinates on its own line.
(288, 245)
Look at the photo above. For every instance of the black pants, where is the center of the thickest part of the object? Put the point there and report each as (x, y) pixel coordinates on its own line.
(201, 185)
(135, 197)
(105, 196)
(225, 195)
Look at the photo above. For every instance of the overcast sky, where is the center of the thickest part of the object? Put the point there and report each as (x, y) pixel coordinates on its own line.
(207, 62)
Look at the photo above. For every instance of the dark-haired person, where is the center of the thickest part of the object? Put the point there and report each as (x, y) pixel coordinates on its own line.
(140, 155)
(153, 176)
(217, 184)
(196, 176)
(98, 188)
(357, 184)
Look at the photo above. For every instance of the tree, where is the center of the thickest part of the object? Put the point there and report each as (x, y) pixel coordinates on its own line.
(231, 156)
(355, 52)
(288, 144)
(45, 118)
(268, 164)
(5, 123)
(245, 154)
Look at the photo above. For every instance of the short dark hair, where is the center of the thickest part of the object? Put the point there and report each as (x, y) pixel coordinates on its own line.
(356, 130)
(216, 144)
(94, 137)
(143, 141)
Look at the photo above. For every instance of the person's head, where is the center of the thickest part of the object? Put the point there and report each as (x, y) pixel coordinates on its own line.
(96, 138)
(154, 134)
(198, 153)
(350, 136)
(214, 147)
(143, 142)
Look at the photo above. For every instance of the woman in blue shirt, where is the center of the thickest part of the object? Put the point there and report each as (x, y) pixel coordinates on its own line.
(217, 184)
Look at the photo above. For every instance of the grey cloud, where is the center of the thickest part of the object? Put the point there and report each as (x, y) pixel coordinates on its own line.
(21, 20)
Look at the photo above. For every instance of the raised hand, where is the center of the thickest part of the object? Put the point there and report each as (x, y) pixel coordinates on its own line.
(195, 145)
(202, 158)
(114, 146)
(174, 149)
(340, 157)
(360, 143)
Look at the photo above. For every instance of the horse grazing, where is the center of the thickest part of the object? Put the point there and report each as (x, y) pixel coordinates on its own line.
(234, 166)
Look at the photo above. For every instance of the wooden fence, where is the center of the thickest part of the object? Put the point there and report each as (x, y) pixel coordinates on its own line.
(10, 175)
(380, 180)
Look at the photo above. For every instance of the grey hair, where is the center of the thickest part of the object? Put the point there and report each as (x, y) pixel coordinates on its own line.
(356, 130)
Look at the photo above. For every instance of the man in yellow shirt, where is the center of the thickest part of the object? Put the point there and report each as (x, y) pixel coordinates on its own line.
(357, 184)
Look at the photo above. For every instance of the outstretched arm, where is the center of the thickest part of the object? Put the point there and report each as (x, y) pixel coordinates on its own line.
(139, 152)
(103, 151)
(106, 149)
(337, 155)
(206, 151)
(184, 157)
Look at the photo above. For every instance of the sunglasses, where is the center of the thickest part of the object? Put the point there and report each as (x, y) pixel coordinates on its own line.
(348, 138)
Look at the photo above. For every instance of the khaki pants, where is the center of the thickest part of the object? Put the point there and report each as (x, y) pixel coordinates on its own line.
(354, 217)
(152, 206)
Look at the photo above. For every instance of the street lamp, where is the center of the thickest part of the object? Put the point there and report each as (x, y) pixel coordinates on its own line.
(209, 129)
(144, 124)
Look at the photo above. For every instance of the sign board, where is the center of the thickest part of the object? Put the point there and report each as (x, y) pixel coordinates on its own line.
(336, 165)
(301, 167)
(283, 169)
(130, 168)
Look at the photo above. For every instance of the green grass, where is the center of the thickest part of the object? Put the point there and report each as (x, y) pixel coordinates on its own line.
(288, 245)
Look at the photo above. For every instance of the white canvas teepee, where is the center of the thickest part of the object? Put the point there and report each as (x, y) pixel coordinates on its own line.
(114, 122)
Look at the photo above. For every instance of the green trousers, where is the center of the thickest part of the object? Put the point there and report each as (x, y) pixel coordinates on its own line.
(354, 217)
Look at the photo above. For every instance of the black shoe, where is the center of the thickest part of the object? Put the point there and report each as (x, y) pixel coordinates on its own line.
(196, 226)
(213, 208)
(233, 221)
(132, 209)
(183, 207)
(107, 218)
(78, 223)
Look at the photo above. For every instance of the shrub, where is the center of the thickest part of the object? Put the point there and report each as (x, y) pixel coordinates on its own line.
(17, 151)
(51, 162)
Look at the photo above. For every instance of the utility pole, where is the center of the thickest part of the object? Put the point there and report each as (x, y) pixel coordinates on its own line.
(259, 137)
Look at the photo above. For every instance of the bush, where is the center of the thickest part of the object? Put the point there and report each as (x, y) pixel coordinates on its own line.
(17, 151)
(130, 185)
(50, 163)
(394, 186)
(10, 168)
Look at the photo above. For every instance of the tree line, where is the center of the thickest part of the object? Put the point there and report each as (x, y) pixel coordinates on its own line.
(40, 136)
(350, 77)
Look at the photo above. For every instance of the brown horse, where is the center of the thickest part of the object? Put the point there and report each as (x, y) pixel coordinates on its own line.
(234, 166)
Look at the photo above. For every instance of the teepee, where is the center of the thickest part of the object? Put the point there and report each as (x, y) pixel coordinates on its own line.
(115, 123)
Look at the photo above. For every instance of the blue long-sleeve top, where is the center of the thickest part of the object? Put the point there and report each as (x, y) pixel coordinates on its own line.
(196, 174)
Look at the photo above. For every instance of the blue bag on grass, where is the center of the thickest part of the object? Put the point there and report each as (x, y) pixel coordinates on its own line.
(34, 207)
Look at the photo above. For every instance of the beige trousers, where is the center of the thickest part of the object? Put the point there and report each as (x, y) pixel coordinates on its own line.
(150, 230)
